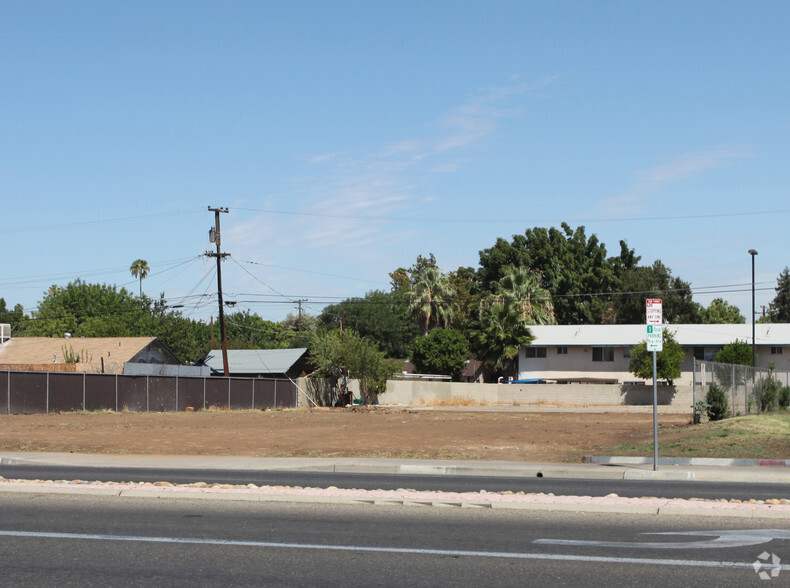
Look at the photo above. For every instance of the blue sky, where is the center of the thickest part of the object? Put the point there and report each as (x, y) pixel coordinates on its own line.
(346, 138)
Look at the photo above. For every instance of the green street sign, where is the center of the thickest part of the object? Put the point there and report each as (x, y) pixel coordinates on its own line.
(655, 338)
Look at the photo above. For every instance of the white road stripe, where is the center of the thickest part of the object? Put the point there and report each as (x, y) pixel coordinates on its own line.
(393, 550)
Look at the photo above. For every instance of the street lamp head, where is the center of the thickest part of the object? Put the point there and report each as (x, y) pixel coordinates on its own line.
(752, 252)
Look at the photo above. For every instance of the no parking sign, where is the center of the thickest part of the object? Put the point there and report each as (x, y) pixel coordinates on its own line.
(655, 329)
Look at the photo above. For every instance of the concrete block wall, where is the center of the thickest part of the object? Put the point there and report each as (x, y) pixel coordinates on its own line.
(422, 393)
(411, 393)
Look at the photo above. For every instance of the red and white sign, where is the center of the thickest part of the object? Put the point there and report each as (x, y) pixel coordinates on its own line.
(654, 312)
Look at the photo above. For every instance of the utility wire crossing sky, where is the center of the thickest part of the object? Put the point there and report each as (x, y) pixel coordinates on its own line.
(347, 138)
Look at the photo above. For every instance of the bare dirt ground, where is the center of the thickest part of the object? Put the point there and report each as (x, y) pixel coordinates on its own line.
(359, 432)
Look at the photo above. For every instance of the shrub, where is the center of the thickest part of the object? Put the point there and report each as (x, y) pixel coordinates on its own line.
(700, 408)
(442, 351)
(768, 393)
(718, 407)
(784, 397)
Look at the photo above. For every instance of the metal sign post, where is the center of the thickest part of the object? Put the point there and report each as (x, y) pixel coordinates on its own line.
(655, 343)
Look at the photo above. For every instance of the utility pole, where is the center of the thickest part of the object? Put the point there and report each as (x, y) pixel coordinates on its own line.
(300, 314)
(752, 252)
(214, 237)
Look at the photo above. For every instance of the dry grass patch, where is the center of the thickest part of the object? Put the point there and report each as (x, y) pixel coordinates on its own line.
(761, 436)
(454, 401)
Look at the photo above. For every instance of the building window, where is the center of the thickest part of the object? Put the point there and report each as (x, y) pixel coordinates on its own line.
(603, 354)
(627, 352)
(535, 352)
(705, 353)
(562, 351)
(776, 351)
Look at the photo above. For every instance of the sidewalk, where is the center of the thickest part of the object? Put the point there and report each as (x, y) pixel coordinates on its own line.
(778, 508)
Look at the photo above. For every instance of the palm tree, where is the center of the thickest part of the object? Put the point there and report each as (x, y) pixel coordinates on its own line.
(502, 324)
(431, 299)
(139, 268)
(497, 335)
(521, 288)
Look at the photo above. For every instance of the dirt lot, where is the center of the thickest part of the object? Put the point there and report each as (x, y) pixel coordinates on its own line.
(361, 432)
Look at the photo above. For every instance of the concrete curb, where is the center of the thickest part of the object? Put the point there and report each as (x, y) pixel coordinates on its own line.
(641, 470)
(609, 468)
(689, 461)
(535, 502)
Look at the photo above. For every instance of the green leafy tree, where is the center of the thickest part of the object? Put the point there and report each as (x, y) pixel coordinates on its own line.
(246, 330)
(496, 336)
(379, 316)
(297, 329)
(404, 278)
(188, 339)
(504, 253)
(442, 351)
(610, 305)
(779, 309)
(737, 353)
(575, 269)
(15, 317)
(296, 322)
(326, 354)
(467, 296)
(89, 310)
(669, 361)
(332, 355)
(140, 269)
(367, 364)
(100, 310)
(721, 312)
(655, 281)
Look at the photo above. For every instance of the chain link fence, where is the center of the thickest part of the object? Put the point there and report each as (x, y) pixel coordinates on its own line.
(45, 392)
(748, 389)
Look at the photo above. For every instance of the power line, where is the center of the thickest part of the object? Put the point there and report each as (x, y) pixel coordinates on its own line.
(95, 272)
(105, 221)
(260, 281)
(304, 271)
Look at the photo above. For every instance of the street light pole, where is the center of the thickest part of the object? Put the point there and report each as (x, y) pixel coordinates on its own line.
(752, 252)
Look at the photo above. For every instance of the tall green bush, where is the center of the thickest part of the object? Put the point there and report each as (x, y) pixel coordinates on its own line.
(718, 407)
(767, 392)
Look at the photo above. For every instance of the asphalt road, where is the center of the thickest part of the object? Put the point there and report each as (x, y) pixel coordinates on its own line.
(454, 483)
(96, 541)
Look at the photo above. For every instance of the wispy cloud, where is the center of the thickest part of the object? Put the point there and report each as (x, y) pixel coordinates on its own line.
(653, 180)
(391, 178)
(689, 165)
(322, 157)
(348, 195)
(478, 118)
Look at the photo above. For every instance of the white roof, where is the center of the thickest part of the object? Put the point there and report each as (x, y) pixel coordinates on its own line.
(774, 335)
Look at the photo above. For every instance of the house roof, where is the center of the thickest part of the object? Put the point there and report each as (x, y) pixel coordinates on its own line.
(21, 351)
(777, 334)
(255, 361)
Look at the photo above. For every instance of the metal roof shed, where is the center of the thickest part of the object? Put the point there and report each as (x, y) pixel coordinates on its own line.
(269, 363)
